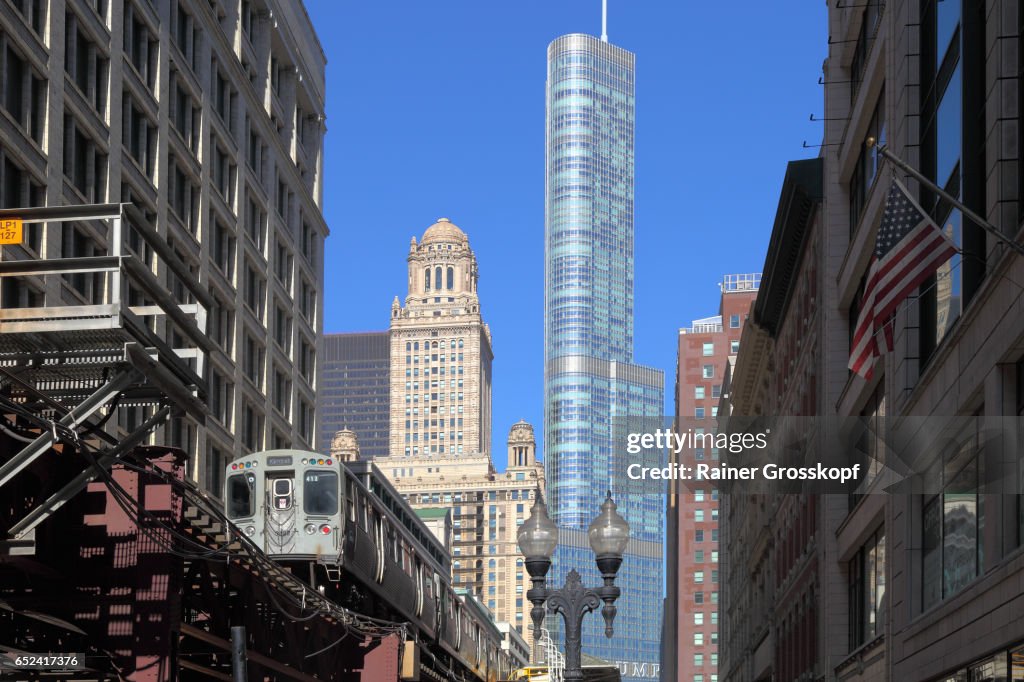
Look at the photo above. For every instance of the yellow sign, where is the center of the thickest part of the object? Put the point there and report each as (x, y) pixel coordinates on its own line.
(10, 230)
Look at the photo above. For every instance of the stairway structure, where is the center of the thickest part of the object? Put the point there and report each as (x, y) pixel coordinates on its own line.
(96, 351)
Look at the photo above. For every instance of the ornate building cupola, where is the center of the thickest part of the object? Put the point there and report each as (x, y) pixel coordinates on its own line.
(522, 445)
(345, 446)
(442, 266)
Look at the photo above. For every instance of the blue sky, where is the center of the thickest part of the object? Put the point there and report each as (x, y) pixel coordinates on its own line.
(437, 109)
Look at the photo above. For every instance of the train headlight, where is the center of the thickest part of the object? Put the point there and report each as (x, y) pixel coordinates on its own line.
(325, 529)
(310, 529)
(250, 530)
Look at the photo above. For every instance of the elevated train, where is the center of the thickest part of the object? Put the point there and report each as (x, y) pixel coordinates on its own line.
(345, 527)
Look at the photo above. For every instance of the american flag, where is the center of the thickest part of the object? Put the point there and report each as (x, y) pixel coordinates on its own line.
(909, 248)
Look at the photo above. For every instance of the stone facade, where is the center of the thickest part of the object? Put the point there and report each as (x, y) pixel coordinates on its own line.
(440, 352)
(209, 118)
(926, 584)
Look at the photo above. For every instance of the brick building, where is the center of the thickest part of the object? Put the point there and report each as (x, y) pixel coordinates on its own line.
(690, 633)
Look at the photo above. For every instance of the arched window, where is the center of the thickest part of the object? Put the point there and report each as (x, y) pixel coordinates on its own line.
(451, 278)
(437, 277)
(416, 345)
(408, 346)
(426, 279)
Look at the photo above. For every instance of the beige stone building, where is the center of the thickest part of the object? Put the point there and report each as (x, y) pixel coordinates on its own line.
(487, 509)
(440, 352)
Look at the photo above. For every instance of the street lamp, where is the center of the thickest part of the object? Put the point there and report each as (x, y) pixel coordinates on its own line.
(538, 537)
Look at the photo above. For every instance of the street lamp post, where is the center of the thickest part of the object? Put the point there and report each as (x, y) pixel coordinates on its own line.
(538, 537)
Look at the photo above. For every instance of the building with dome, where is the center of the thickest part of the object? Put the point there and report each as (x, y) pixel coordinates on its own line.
(440, 352)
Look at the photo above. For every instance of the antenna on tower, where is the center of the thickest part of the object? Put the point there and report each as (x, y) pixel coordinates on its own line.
(604, 21)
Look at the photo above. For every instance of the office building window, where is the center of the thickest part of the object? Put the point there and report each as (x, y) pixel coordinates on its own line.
(867, 590)
(224, 173)
(33, 12)
(223, 96)
(698, 412)
(85, 64)
(253, 358)
(256, 225)
(698, 392)
(24, 96)
(185, 114)
(709, 349)
(951, 551)
(865, 39)
(139, 135)
(868, 162)
(709, 372)
(223, 248)
(252, 428)
(734, 322)
(85, 163)
(953, 54)
(183, 195)
(140, 45)
(255, 291)
(222, 393)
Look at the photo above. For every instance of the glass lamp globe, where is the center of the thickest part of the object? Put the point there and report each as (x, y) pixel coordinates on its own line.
(609, 532)
(538, 537)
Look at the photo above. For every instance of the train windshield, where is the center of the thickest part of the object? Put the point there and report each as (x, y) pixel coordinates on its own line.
(241, 501)
(320, 493)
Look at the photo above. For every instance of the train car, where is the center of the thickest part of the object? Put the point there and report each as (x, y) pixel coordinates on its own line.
(346, 526)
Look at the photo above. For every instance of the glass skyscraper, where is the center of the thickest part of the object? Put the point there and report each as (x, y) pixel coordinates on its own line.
(593, 391)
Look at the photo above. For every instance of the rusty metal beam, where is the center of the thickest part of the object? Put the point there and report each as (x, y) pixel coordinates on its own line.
(257, 658)
(203, 670)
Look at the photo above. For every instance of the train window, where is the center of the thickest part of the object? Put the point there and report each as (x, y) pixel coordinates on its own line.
(281, 490)
(407, 560)
(241, 501)
(320, 493)
(351, 500)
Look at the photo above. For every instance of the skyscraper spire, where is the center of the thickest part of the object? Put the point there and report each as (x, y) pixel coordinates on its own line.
(604, 20)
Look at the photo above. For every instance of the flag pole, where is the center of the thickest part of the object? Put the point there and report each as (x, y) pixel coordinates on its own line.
(974, 217)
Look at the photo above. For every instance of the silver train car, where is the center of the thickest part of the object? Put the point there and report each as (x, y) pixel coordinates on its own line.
(345, 528)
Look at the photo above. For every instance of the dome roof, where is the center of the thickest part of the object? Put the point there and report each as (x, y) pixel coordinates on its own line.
(444, 231)
(521, 429)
